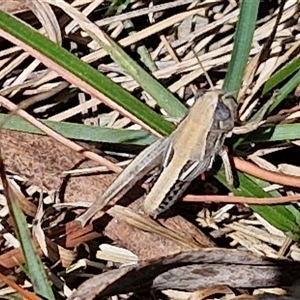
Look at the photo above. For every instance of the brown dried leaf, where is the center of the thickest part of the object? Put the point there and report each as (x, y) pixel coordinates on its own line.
(144, 223)
(41, 160)
(149, 245)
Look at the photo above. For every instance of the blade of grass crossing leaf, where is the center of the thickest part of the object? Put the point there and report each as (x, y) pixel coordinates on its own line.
(34, 264)
(82, 132)
(83, 71)
(242, 45)
(282, 217)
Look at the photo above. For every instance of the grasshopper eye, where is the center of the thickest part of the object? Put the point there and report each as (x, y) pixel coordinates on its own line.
(222, 112)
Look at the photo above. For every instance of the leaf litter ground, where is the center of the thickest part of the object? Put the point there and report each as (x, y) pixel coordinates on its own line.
(172, 248)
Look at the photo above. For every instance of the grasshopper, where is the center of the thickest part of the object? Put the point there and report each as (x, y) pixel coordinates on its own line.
(192, 148)
(189, 151)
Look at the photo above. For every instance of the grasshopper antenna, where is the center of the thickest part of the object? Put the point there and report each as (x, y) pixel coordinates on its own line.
(205, 73)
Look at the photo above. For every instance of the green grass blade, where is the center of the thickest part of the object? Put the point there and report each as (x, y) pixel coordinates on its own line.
(82, 132)
(286, 90)
(281, 75)
(283, 132)
(160, 94)
(85, 72)
(242, 45)
(283, 217)
(34, 264)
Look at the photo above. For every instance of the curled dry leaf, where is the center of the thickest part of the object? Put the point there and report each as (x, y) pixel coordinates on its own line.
(66, 256)
(191, 271)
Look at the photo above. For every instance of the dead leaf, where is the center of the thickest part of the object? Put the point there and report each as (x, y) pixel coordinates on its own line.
(153, 245)
(191, 271)
(42, 161)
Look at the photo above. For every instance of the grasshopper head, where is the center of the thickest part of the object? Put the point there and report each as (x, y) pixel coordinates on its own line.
(230, 102)
(226, 107)
(225, 113)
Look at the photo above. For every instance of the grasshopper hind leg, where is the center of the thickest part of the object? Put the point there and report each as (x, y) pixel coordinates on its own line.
(171, 198)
